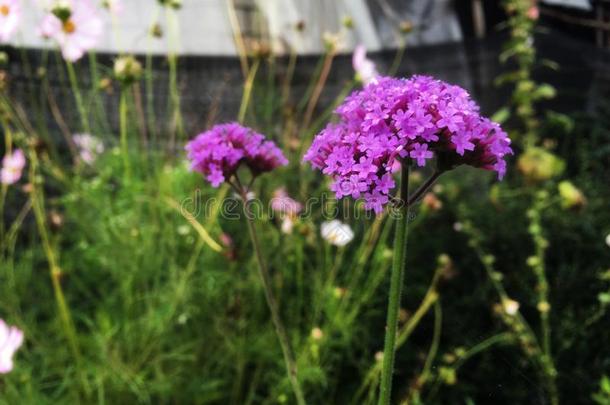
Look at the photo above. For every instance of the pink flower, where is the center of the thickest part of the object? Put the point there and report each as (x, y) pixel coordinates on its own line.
(365, 68)
(77, 32)
(533, 13)
(282, 203)
(12, 166)
(11, 339)
(10, 13)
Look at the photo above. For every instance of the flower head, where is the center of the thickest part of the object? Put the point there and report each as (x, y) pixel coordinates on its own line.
(283, 204)
(218, 152)
(366, 72)
(11, 339)
(10, 14)
(533, 13)
(336, 232)
(127, 70)
(12, 166)
(390, 119)
(89, 147)
(75, 26)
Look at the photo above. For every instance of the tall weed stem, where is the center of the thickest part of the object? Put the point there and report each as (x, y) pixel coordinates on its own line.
(291, 367)
(78, 97)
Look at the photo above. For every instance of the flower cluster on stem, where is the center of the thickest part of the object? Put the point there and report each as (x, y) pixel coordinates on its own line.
(395, 119)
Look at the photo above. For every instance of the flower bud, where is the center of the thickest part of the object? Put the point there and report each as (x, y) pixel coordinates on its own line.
(537, 164)
(447, 375)
(127, 70)
(175, 4)
(431, 202)
(533, 13)
(156, 31)
(317, 334)
(511, 307)
(62, 10)
(3, 58)
(571, 196)
(105, 84)
(406, 26)
(543, 307)
(348, 22)
(332, 42)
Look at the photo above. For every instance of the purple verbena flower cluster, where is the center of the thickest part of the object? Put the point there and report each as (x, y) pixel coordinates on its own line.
(416, 118)
(218, 152)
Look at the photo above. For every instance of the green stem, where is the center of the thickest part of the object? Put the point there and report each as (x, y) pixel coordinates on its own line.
(436, 338)
(400, 52)
(248, 85)
(291, 367)
(54, 269)
(123, 129)
(78, 97)
(423, 188)
(396, 282)
(177, 123)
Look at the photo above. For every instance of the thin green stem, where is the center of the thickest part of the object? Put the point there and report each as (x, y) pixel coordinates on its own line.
(474, 350)
(37, 199)
(248, 85)
(317, 91)
(177, 128)
(123, 135)
(291, 366)
(436, 338)
(423, 188)
(400, 53)
(396, 282)
(78, 97)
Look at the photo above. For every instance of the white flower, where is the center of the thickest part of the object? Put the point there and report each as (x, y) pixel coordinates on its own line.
(89, 147)
(11, 339)
(511, 307)
(287, 225)
(608, 240)
(366, 72)
(336, 232)
(10, 13)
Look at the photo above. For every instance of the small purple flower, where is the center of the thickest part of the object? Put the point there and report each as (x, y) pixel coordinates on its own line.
(218, 152)
(375, 201)
(420, 153)
(462, 142)
(391, 119)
